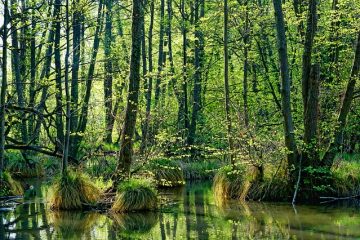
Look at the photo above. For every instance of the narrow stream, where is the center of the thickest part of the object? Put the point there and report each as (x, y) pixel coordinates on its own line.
(188, 213)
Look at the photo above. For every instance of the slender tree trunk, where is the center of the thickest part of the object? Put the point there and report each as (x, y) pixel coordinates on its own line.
(335, 146)
(290, 142)
(15, 57)
(310, 89)
(59, 116)
(83, 118)
(108, 81)
(76, 50)
(32, 72)
(161, 52)
(67, 95)
(184, 102)
(3, 88)
(125, 157)
(246, 66)
(150, 81)
(226, 79)
(198, 62)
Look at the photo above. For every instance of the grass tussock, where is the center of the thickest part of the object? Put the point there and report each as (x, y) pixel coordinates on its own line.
(73, 191)
(135, 195)
(72, 225)
(9, 186)
(167, 173)
(130, 224)
(232, 182)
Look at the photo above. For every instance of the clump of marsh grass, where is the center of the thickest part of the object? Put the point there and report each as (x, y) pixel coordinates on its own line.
(233, 182)
(167, 172)
(200, 170)
(9, 186)
(73, 191)
(130, 224)
(135, 195)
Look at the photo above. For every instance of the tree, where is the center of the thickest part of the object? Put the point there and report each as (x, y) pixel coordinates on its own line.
(128, 130)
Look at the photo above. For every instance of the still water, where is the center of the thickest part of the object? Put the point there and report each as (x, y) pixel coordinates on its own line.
(188, 213)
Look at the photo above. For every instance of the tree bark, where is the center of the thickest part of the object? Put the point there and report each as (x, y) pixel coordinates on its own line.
(161, 52)
(125, 156)
(226, 80)
(108, 80)
(3, 88)
(290, 142)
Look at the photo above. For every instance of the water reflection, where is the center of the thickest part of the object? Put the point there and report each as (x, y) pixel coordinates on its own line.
(187, 213)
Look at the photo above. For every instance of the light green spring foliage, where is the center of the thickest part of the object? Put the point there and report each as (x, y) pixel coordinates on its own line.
(72, 191)
(9, 186)
(135, 195)
(167, 172)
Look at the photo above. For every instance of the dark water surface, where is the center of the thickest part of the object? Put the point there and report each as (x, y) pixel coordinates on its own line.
(189, 213)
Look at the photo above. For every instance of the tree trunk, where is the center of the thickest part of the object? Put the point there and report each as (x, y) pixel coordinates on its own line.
(246, 67)
(125, 157)
(285, 88)
(3, 88)
(161, 52)
(108, 80)
(310, 89)
(226, 79)
(59, 116)
(76, 50)
(67, 95)
(198, 62)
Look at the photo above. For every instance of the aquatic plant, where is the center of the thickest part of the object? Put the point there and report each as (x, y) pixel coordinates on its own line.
(73, 190)
(135, 195)
(9, 186)
(167, 172)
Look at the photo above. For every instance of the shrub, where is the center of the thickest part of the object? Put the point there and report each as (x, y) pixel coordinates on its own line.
(135, 195)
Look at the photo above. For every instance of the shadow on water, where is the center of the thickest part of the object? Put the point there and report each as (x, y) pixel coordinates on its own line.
(186, 213)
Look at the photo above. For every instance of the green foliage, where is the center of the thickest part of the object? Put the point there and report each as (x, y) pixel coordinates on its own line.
(9, 186)
(167, 172)
(135, 195)
(73, 191)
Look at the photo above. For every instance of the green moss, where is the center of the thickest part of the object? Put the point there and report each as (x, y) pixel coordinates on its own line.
(73, 191)
(9, 186)
(167, 172)
(135, 195)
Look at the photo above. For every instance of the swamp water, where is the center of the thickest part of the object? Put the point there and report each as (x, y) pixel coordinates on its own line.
(189, 213)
